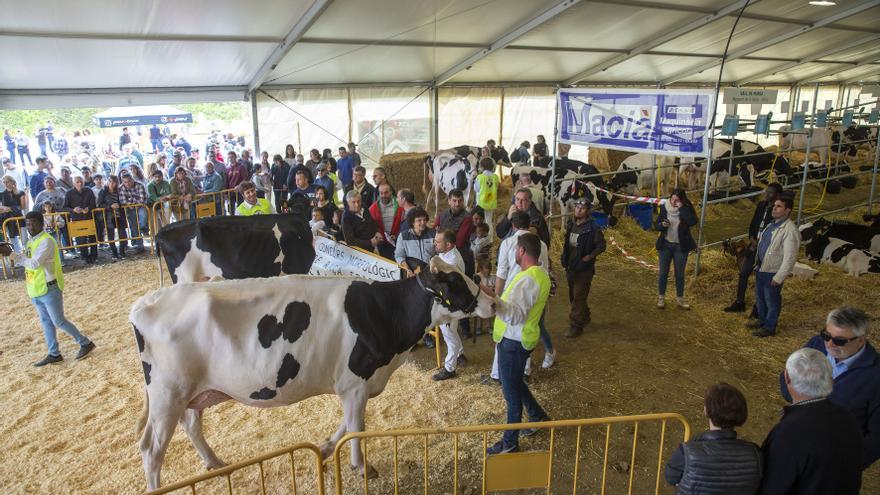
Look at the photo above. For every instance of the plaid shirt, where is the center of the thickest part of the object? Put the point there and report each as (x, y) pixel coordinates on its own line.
(135, 194)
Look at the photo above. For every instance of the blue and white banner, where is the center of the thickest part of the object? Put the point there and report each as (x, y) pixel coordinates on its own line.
(661, 121)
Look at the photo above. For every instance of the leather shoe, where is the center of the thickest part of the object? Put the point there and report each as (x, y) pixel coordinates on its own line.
(49, 359)
(85, 350)
(736, 307)
(763, 332)
(443, 374)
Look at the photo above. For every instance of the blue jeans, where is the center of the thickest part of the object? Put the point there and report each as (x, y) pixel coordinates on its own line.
(50, 308)
(768, 298)
(669, 253)
(545, 335)
(137, 223)
(511, 369)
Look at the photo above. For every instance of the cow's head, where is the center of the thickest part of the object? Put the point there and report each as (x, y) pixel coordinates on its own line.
(813, 230)
(455, 295)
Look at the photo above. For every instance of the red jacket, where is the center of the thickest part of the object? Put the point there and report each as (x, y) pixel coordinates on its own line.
(377, 217)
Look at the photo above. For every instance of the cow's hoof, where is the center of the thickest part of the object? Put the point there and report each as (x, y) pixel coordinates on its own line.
(371, 472)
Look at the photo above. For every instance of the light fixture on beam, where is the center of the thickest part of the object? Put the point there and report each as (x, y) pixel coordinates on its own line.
(822, 3)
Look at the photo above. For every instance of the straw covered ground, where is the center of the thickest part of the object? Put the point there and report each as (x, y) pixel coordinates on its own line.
(70, 427)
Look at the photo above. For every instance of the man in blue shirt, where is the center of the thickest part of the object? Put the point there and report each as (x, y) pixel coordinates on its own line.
(38, 178)
(855, 368)
(345, 167)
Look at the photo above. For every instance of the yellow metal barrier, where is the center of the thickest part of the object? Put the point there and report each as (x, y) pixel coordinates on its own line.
(226, 472)
(520, 470)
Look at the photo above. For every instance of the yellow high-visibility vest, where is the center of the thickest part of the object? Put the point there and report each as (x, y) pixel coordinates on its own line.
(531, 331)
(35, 279)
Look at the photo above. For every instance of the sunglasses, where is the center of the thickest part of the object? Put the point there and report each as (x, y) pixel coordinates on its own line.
(838, 341)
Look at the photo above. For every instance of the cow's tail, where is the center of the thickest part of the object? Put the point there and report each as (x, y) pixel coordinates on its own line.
(145, 412)
(426, 174)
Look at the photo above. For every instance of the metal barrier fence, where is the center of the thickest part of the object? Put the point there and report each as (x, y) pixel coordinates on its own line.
(519, 470)
(226, 472)
(74, 229)
(503, 472)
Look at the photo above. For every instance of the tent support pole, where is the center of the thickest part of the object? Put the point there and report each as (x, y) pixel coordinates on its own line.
(255, 121)
(553, 154)
(703, 206)
(433, 123)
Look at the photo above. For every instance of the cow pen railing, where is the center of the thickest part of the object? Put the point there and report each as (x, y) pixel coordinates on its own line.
(202, 205)
(504, 472)
(190, 485)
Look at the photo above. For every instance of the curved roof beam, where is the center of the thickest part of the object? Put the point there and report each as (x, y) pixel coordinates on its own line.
(655, 42)
(773, 41)
(505, 40)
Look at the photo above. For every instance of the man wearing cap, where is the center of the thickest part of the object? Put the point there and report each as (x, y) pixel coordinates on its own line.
(323, 178)
(251, 204)
(583, 242)
(176, 161)
(44, 280)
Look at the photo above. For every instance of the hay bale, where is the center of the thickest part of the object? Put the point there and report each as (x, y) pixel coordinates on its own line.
(797, 158)
(404, 170)
(607, 160)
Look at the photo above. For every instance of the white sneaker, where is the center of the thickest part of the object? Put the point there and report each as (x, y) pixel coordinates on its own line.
(549, 359)
(681, 303)
(661, 302)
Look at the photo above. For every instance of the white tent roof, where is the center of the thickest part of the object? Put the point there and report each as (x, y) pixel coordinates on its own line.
(124, 52)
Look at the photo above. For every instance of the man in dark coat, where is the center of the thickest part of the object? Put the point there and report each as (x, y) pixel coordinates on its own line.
(816, 448)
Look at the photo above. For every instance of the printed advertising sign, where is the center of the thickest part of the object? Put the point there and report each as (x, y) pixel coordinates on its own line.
(335, 259)
(662, 121)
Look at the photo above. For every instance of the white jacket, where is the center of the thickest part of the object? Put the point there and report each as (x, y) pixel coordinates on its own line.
(782, 252)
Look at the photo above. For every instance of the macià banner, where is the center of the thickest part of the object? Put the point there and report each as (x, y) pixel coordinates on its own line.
(657, 121)
(334, 258)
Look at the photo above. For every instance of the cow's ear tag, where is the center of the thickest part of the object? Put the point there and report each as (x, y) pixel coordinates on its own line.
(438, 300)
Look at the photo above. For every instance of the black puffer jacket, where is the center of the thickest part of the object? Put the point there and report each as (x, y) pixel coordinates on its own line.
(716, 462)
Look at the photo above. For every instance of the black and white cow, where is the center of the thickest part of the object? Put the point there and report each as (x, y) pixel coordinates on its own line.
(569, 188)
(862, 236)
(450, 169)
(236, 247)
(749, 169)
(275, 342)
(843, 254)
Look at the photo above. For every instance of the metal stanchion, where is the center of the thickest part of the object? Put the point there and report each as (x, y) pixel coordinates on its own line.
(807, 159)
(874, 174)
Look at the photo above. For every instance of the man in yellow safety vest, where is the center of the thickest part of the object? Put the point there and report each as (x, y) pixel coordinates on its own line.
(45, 282)
(516, 333)
(252, 205)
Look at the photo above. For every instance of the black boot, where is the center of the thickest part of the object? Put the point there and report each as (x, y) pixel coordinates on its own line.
(735, 307)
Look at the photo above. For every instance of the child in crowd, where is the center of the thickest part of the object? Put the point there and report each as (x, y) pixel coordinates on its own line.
(317, 221)
(481, 243)
(485, 277)
(486, 187)
(333, 229)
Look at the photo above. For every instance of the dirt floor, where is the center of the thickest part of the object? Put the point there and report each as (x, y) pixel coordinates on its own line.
(70, 427)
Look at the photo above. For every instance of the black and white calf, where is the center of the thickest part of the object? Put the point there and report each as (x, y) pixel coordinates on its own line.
(637, 173)
(843, 254)
(862, 236)
(569, 188)
(274, 342)
(236, 247)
